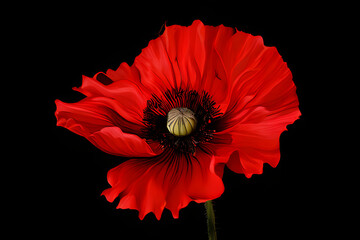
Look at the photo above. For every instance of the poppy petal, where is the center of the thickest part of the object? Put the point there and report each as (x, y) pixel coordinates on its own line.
(262, 103)
(99, 119)
(114, 141)
(165, 181)
(220, 148)
(127, 92)
(259, 77)
(187, 58)
(257, 140)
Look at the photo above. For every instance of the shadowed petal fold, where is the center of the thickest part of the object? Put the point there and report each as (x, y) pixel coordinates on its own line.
(105, 124)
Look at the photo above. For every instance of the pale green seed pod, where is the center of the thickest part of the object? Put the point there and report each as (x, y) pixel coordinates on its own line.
(181, 122)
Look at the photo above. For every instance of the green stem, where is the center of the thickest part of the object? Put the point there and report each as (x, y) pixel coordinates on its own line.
(210, 220)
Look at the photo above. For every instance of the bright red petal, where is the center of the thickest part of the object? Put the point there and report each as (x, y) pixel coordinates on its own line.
(127, 92)
(262, 102)
(256, 138)
(259, 77)
(106, 124)
(166, 181)
(114, 141)
(187, 58)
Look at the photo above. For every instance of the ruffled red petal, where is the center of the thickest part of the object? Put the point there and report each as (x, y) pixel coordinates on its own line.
(166, 181)
(187, 58)
(259, 78)
(129, 94)
(104, 122)
(258, 141)
(261, 101)
(114, 141)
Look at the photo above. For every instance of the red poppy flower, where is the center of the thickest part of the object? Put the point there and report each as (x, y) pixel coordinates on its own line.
(195, 99)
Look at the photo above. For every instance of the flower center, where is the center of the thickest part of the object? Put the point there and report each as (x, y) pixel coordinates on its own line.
(181, 121)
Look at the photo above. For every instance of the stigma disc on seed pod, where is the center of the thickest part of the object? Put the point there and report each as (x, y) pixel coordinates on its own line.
(181, 122)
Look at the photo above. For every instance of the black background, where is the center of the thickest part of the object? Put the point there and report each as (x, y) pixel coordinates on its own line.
(66, 41)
